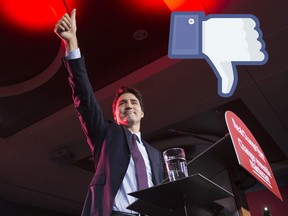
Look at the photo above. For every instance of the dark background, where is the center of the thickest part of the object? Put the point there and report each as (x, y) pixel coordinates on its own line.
(44, 158)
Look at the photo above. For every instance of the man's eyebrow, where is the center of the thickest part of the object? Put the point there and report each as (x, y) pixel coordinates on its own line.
(122, 100)
(126, 100)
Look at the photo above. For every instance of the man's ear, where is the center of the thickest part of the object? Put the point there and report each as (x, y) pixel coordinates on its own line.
(114, 116)
(142, 114)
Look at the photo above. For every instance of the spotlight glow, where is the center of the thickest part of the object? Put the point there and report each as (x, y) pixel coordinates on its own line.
(34, 14)
(207, 6)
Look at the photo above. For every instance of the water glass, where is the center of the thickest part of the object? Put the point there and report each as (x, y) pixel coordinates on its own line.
(175, 161)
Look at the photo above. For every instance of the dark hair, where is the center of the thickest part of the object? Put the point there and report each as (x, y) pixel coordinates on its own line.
(123, 90)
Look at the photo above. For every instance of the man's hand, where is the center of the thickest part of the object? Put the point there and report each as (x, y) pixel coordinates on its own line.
(66, 30)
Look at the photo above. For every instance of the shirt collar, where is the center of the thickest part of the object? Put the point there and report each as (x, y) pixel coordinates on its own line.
(138, 134)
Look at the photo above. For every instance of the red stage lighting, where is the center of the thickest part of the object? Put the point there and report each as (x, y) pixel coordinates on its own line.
(207, 6)
(34, 14)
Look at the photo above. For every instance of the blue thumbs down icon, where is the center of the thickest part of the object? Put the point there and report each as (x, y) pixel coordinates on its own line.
(223, 40)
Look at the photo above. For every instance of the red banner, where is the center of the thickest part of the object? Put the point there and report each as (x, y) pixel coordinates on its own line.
(249, 153)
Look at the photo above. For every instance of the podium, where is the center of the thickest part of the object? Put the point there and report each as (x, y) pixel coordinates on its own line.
(215, 175)
(184, 195)
(210, 179)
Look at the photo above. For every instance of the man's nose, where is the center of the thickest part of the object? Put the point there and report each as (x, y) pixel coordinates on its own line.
(128, 105)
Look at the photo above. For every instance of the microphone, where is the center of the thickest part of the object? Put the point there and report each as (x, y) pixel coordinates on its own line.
(176, 132)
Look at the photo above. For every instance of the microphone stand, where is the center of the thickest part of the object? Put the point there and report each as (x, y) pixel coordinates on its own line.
(175, 132)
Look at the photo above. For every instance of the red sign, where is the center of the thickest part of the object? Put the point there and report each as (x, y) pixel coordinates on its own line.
(249, 154)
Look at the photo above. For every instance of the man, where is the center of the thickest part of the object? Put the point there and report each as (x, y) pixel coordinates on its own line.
(110, 141)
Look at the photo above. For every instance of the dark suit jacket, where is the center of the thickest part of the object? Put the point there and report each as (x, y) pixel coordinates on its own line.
(109, 144)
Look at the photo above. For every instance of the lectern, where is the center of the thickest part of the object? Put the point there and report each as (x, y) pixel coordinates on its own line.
(187, 195)
(219, 166)
(198, 192)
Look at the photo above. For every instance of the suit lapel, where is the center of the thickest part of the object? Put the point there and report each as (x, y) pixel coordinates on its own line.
(153, 158)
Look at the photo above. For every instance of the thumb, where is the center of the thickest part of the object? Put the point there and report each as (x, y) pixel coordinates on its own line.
(227, 77)
(73, 14)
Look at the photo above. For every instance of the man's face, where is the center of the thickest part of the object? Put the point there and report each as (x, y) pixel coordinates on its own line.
(128, 111)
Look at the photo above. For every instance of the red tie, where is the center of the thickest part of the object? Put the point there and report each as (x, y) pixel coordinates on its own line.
(139, 165)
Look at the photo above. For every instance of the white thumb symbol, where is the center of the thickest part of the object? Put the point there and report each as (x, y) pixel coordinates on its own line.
(226, 75)
(230, 41)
